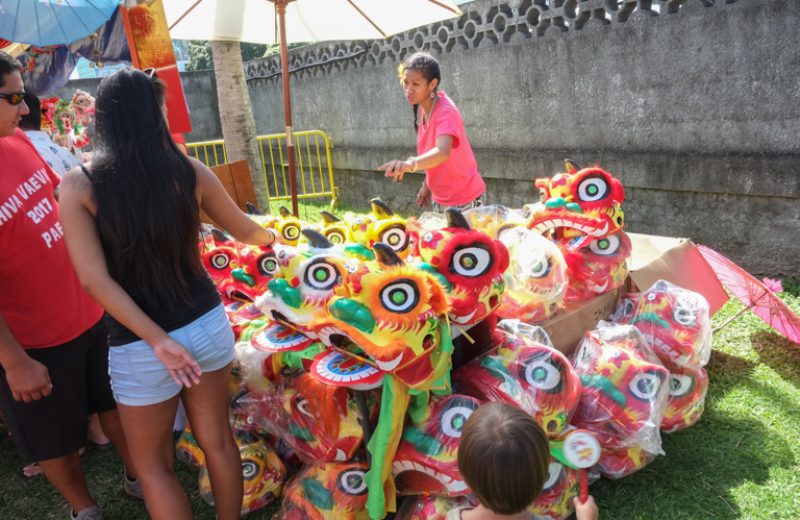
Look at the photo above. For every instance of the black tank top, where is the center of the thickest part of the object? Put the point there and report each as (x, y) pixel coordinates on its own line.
(203, 297)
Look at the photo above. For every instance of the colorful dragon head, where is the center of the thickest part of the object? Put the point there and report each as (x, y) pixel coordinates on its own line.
(616, 463)
(597, 267)
(286, 226)
(394, 314)
(532, 376)
(472, 265)
(240, 272)
(536, 278)
(333, 491)
(382, 225)
(83, 107)
(676, 322)
(262, 469)
(319, 422)
(309, 276)
(335, 229)
(687, 397)
(555, 500)
(426, 462)
(577, 203)
(624, 392)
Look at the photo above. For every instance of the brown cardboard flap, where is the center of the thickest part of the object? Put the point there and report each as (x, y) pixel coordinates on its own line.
(676, 260)
(569, 326)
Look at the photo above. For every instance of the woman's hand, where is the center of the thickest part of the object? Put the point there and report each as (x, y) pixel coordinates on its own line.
(181, 365)
(396, 169)
(424, 196)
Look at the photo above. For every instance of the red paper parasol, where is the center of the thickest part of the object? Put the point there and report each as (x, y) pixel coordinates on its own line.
(756, 296)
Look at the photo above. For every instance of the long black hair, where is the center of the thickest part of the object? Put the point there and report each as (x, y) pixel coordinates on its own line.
(428, 67)
(144, 188)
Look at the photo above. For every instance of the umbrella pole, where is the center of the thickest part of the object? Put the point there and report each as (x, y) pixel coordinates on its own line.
(732, 319)
(280, 8)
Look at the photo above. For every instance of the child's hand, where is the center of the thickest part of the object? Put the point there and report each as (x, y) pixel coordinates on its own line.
(587, 511)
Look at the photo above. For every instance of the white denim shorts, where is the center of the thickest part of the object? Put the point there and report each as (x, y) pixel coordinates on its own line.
(139, 378)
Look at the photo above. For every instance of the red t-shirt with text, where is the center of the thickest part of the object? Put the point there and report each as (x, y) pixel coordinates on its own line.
(41, 298)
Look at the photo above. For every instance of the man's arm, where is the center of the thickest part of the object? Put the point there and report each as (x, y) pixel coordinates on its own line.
(28, 379)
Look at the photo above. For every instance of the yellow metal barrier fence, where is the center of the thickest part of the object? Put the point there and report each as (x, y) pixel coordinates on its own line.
(312, 161)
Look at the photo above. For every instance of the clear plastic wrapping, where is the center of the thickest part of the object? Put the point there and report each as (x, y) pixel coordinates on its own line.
(332, 491)
(676, 322)
(263, 471)
(687, 398)
(426, 460)
(432, 508)
(596, 267)
(525, 373)
(536, 278)
(625, 390)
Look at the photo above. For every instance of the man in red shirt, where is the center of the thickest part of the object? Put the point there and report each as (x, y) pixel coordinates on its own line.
(53, 353)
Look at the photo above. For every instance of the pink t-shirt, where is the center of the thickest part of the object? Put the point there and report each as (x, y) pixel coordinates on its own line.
(456, 181)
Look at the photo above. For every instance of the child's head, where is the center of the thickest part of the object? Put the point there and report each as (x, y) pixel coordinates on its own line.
(503, 456)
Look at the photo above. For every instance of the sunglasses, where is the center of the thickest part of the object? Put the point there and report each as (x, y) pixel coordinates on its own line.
(14, 98)
(151, 72)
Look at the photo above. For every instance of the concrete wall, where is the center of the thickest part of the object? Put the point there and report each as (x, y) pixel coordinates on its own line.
(693, 104)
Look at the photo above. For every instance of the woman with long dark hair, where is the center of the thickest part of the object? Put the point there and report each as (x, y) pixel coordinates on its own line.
(444, 154)
(131, 222)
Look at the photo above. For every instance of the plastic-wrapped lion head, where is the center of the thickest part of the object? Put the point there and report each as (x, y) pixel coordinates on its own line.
(555, 500)
(536, 278)
(676, 322)
(262, 469)
(597, 267)
(333, 491)
(426, 460)
(526, 373)
(687, 397)
(625, 391)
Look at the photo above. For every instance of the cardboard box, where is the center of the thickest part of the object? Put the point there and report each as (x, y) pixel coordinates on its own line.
(676, 260)
(567, 328)
(653, 258)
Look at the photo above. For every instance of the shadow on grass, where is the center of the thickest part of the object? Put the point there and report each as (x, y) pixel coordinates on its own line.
(778, 353)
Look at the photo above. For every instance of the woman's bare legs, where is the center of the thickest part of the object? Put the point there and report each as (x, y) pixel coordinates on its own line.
(148, 432)
(207, 406)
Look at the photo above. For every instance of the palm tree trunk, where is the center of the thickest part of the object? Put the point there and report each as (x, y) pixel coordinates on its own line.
(236, 114)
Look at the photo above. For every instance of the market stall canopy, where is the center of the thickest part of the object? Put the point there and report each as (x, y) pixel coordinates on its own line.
(306, 20)
(287, 21)
(52, 22)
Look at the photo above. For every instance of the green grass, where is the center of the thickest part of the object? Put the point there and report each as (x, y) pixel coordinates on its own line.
(742, 460)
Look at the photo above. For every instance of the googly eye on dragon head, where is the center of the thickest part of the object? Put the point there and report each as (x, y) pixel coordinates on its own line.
(321, 275)
(268, 264)
(220, 260)
(336, 236)
(606, 246)
(302, 405)
(593, 188)
(291, 232)
(680, 385)
(540, 267)
(352, 482)
(249, 470)
(471, 261)
(396, 237)
(455, 414)
(645, 386)
(400, 296)
(542, 372)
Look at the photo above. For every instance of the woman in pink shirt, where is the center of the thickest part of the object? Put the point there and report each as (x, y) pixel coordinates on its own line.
(452, 179)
